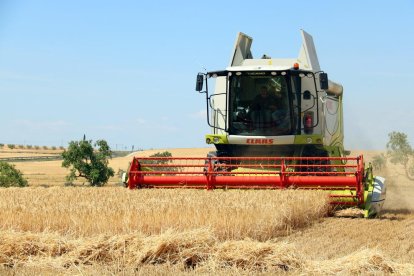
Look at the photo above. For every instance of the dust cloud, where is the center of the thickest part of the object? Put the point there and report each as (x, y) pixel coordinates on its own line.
(400, 190)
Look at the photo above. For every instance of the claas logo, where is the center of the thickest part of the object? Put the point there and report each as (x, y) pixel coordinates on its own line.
(259, 141)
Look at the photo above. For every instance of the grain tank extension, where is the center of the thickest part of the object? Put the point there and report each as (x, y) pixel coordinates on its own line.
(275, 123)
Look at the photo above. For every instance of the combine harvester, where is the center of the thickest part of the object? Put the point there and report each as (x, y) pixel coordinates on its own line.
(276, 123)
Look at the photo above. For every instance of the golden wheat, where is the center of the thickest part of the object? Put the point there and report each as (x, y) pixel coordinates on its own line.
(118, 231)
(259, 215)
(107, 231)
(198, 251)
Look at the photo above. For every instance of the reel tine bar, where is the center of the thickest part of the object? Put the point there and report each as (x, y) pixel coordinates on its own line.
(327, 173)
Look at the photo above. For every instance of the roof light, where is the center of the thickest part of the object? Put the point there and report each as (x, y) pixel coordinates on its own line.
(296, 66)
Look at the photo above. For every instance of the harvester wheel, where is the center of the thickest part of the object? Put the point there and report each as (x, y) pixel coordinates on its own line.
(322, 168)
(219, 166)
(314, 152)
(211, 154)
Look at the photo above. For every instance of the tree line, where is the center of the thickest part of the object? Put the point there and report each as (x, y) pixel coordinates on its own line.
(90, 160)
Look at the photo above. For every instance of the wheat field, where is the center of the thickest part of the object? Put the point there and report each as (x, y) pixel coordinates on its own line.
(64, 229)
(50, 229)
(259, 215)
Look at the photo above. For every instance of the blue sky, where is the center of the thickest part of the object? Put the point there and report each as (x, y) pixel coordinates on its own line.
(125, 71)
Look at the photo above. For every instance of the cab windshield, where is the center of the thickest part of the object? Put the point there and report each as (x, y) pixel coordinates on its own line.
(260, 104)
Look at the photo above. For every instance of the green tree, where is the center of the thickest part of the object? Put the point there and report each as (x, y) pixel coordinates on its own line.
(87, 162)
(379, 161)
(162, 161)
(400, 152)
(10, 176)
(162, 154)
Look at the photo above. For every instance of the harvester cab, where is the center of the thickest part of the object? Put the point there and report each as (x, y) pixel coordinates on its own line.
(275, 123)
(274, 107)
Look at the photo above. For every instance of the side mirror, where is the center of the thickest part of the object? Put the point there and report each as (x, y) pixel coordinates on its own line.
(323, 81)
(200, 82)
